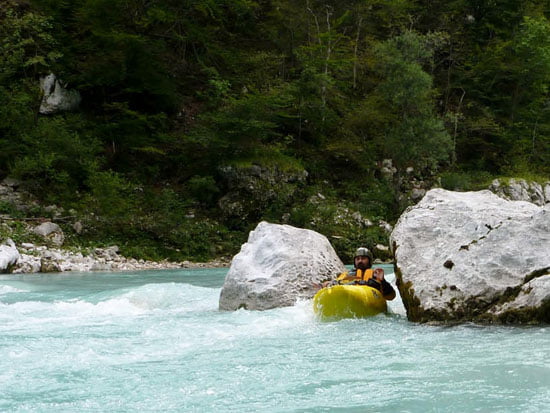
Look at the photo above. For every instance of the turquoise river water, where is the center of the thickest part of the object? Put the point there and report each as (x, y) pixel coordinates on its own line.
(155, 341)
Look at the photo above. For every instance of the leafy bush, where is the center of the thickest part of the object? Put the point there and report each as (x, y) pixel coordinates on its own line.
(466, 181)
(203, 188)
(55, 158)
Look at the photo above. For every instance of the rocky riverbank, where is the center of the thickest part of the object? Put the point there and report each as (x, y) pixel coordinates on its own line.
(41, 245)
(31, 258)
(42, 259)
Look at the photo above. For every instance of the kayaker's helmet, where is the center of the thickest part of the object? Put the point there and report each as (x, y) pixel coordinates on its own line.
(363, 252)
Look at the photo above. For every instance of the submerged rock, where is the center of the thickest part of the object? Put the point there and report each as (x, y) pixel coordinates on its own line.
(277, 266)
(473, 256)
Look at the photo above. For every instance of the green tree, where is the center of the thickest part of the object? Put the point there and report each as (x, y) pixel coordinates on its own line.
(27, 49)
(414, 135)
(529, 73)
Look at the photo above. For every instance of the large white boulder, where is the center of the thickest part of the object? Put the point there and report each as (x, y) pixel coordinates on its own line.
(473, 256)
(277, 266)
(9, 255)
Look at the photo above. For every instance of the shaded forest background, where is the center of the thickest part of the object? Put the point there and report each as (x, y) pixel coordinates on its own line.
(177, 93)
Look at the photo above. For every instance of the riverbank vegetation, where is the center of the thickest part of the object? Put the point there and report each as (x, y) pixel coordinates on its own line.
(199, 118)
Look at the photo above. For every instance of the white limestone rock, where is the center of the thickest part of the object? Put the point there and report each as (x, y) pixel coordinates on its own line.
(277, 266)
(417, 194)
(56, 97)
(459, 256)
(101, 266)
(521, 190)
(9, 255)
(48, 264)
(27, 264)
(532, 300)
(546, 191)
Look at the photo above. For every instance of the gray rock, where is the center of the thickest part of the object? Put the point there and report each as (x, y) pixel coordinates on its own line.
(277, 266)
(381, 247)
(387, 169)
(9, 255)
(532, 302)
(56, 97)
(521, 190)
(77, 226)
(11, 182)
(417, 194)
(109, 253)
(385, 226)
(546, 191)
(473, 256)
(382, 253)
(27, 264)
(49, 265)
(536, 193)
(97, 266)
(517, 190)
(5, 191)
(51, 232)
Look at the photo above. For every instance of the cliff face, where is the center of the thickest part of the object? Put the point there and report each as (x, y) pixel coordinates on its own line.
(473, 256)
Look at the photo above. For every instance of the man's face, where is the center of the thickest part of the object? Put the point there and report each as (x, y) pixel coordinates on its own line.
(362, 262)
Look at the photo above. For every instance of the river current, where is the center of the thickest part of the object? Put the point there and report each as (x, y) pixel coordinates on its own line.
(155, 341)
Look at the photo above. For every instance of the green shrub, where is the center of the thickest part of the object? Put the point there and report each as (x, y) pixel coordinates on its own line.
(203, 188)
(111, 195)
(466, 181)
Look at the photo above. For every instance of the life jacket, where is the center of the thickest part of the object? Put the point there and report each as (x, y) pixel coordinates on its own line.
(366, 278)
(357, 275)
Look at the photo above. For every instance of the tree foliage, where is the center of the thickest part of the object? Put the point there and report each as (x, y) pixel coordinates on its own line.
(172, 91)
(414, 135)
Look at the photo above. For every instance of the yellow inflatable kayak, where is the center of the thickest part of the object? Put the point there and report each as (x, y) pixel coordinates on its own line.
(348, 301)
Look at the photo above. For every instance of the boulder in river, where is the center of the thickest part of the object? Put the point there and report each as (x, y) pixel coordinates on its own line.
(277, 266)
(473, 256)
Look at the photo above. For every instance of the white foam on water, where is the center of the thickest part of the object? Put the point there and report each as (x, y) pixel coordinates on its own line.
(174, 296)
(395, 306)
(8, 289)
(134, 302)
(113, 307)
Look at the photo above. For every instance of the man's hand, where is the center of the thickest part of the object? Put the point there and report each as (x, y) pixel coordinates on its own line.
(378, 274)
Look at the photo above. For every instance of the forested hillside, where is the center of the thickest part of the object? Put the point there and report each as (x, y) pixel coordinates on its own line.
(201, 117)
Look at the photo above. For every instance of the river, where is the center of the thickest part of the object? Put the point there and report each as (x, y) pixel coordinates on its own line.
(155, 341)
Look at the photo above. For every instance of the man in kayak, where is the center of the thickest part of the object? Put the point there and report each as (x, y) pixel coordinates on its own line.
(363, 274)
